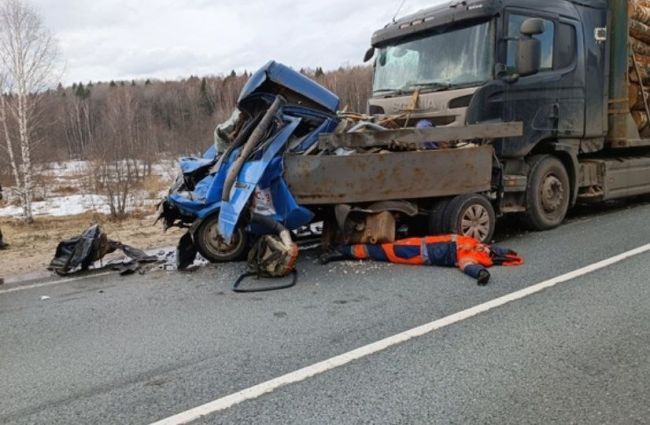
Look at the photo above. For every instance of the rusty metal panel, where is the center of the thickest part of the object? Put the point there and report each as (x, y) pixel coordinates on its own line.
(419, 136)
(328, 180)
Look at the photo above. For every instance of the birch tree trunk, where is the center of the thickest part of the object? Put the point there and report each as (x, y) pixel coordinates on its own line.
(26, 153)
(27, 58)
(7, 136)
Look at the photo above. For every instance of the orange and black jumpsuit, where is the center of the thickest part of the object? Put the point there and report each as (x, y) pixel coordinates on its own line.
(469, 255)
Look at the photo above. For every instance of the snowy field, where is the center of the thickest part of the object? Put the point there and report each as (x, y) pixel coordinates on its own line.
(62, 190)
(59, 206)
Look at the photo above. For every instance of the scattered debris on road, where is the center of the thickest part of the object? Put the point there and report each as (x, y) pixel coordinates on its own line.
(80, 252)
(272, 256)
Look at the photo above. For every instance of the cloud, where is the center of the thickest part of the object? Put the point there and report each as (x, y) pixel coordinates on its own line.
(123, 40)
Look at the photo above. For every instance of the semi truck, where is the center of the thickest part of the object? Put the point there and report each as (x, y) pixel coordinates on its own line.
(552, 76)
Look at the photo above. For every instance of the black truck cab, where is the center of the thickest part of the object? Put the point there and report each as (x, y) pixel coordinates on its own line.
(559, 70)
(567, 85)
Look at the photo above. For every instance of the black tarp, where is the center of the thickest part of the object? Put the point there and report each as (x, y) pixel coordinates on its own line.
(80, 252)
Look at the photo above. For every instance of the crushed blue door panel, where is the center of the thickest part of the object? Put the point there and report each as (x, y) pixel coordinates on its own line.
(249, 178)
(191, 165)
(211, 153)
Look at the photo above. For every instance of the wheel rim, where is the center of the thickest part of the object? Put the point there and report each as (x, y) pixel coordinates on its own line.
(475, 222)
(215, 244)
(552, 194)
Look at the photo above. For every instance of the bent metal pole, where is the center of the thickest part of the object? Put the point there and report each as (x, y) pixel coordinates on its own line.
(255, 138)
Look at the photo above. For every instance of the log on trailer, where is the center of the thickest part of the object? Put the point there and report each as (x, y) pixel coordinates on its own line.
(639, 68)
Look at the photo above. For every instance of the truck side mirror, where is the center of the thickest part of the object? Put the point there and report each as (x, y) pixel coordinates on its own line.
(529, 56)
(369, 54)
(529, 49)
(532, 26)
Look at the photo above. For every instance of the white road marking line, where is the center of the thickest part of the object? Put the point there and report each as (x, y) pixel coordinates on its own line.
(343, 359)
(56, 282)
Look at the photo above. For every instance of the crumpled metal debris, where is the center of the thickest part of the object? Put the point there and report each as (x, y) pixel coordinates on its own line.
(223, 134)
(80, 252)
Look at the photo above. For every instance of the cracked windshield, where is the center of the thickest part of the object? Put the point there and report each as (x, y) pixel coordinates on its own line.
(460, 57)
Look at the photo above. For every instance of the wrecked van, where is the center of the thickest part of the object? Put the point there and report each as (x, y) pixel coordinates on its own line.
(279, 111)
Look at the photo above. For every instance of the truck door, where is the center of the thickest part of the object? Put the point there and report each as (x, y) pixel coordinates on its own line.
(551, 103)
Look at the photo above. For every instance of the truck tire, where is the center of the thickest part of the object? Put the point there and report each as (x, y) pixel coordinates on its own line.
(470, 215)
(437, 216)
(548, 193)
(211, 246)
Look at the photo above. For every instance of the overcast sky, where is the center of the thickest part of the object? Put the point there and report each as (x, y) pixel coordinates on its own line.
(104, 40)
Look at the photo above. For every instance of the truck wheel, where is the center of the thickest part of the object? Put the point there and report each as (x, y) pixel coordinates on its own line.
(548, 193)
(471, 215)
(437, 216)
(212, 247)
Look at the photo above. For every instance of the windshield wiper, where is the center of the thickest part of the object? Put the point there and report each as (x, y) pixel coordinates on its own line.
(410, 87)
(395, 92)
(434, 85)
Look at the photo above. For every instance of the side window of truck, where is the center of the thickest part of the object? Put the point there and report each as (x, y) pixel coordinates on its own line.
(565, 46)
(547, 39)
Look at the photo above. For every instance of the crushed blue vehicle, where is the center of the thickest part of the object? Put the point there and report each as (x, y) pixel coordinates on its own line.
(226, 198)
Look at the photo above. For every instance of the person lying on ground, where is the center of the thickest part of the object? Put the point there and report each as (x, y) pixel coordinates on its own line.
(469, 255)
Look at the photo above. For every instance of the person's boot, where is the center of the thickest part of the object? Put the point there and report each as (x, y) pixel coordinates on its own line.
(328, 257)
(483, 278)
(3, 245)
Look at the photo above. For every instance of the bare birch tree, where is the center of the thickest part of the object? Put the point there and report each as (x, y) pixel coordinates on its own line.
(8, 145)
(28, 55)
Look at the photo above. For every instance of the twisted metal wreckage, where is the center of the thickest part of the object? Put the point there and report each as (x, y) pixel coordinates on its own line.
(278, 111)
(278, 165)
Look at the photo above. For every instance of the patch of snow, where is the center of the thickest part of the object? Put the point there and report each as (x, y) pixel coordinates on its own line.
(62, 169)
(72, 174)
(60, 206)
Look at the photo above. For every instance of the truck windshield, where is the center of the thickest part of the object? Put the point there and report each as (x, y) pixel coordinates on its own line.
(463, 56)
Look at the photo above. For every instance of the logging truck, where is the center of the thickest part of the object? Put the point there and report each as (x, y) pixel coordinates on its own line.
(557, 89)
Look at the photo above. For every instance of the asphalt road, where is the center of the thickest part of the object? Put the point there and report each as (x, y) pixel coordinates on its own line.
(143, 348)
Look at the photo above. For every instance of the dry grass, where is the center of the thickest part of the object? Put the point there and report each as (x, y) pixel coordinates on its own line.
(65, 191)
(153, 186)
(32, 246)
